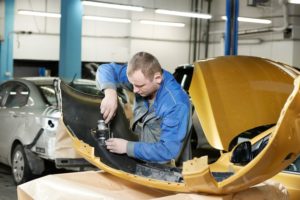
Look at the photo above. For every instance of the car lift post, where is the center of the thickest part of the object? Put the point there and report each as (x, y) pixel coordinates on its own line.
(231, 32)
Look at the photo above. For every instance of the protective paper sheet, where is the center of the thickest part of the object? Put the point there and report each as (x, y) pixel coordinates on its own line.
(64, 144)
(92, 185)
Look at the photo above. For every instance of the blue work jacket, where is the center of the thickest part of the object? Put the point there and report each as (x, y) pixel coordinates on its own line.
(163, 126)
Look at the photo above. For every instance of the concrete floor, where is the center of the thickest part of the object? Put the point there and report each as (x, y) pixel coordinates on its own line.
(8, 190)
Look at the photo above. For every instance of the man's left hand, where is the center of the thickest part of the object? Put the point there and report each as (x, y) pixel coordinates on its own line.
(116, 145)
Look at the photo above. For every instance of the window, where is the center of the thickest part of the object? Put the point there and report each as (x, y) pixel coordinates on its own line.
(17, 95)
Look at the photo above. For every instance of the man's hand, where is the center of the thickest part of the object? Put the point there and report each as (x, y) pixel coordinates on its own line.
(116, 145)
(109, 104)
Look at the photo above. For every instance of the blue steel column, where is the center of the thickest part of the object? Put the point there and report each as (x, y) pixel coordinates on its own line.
(70, 39)
(6, 46)
(231, 34)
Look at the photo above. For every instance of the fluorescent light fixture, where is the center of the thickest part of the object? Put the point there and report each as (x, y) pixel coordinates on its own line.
(251, 20)
(250, 41)
(114, 6)
(160, 23)
(107, 19)
(57, 15)
(294, 1)
(183, 14)
(38, 13)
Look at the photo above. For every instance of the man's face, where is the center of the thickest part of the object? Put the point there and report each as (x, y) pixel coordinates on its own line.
(144, 86)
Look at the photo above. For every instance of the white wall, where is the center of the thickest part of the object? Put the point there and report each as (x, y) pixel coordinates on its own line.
(272, 44)
(43, 43)
(106, 42)
(103, 41)
(282, 51)
(278, 51)
(296, 57)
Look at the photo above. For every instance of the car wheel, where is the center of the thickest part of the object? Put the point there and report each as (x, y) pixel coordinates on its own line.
(20, 167)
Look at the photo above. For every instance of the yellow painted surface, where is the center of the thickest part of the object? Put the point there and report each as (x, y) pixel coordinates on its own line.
(282, 149)
(237, 93)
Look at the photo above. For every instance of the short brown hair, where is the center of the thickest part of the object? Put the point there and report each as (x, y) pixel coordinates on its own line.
(145, 62)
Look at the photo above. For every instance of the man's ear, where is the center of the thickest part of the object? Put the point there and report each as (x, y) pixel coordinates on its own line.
(157, 77)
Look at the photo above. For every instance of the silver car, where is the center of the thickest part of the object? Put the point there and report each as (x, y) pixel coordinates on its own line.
(30, 121)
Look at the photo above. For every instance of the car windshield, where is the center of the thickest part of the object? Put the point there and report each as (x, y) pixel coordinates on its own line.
(49, 94)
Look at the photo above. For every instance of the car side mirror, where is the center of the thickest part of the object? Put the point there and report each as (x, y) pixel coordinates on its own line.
(242, 153)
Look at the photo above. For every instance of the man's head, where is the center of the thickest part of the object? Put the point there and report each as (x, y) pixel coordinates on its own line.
(145, 74)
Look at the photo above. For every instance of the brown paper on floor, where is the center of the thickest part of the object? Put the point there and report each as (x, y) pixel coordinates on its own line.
(267, 190)
(264, 191)
(85, 185)
(64, 144)
(93, 185)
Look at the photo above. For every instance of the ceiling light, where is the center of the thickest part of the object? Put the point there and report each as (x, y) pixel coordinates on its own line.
(183, 14)
(107, 19)
(160, 23)
(250, 41)
(114, 6)
(294, 1)
(38, 13)
(251, 20)
(57, 15)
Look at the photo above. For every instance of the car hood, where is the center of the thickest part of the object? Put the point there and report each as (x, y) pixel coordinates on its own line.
(81, 112)
(234, 94)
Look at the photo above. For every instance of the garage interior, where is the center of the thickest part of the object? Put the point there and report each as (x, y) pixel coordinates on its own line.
(34, 41)
(71, 38)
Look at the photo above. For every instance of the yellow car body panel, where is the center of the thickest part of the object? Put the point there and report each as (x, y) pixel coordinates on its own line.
(88, 153)
(291, 180)
(236, 93)
(282, 149)
(265, 99)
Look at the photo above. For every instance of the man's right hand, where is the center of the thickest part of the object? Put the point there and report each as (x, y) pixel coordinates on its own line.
(109, 104)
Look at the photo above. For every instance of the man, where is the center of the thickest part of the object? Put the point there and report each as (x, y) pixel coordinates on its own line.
(161, 111)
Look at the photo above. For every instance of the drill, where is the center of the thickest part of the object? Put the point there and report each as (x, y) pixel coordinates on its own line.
(102, 132)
